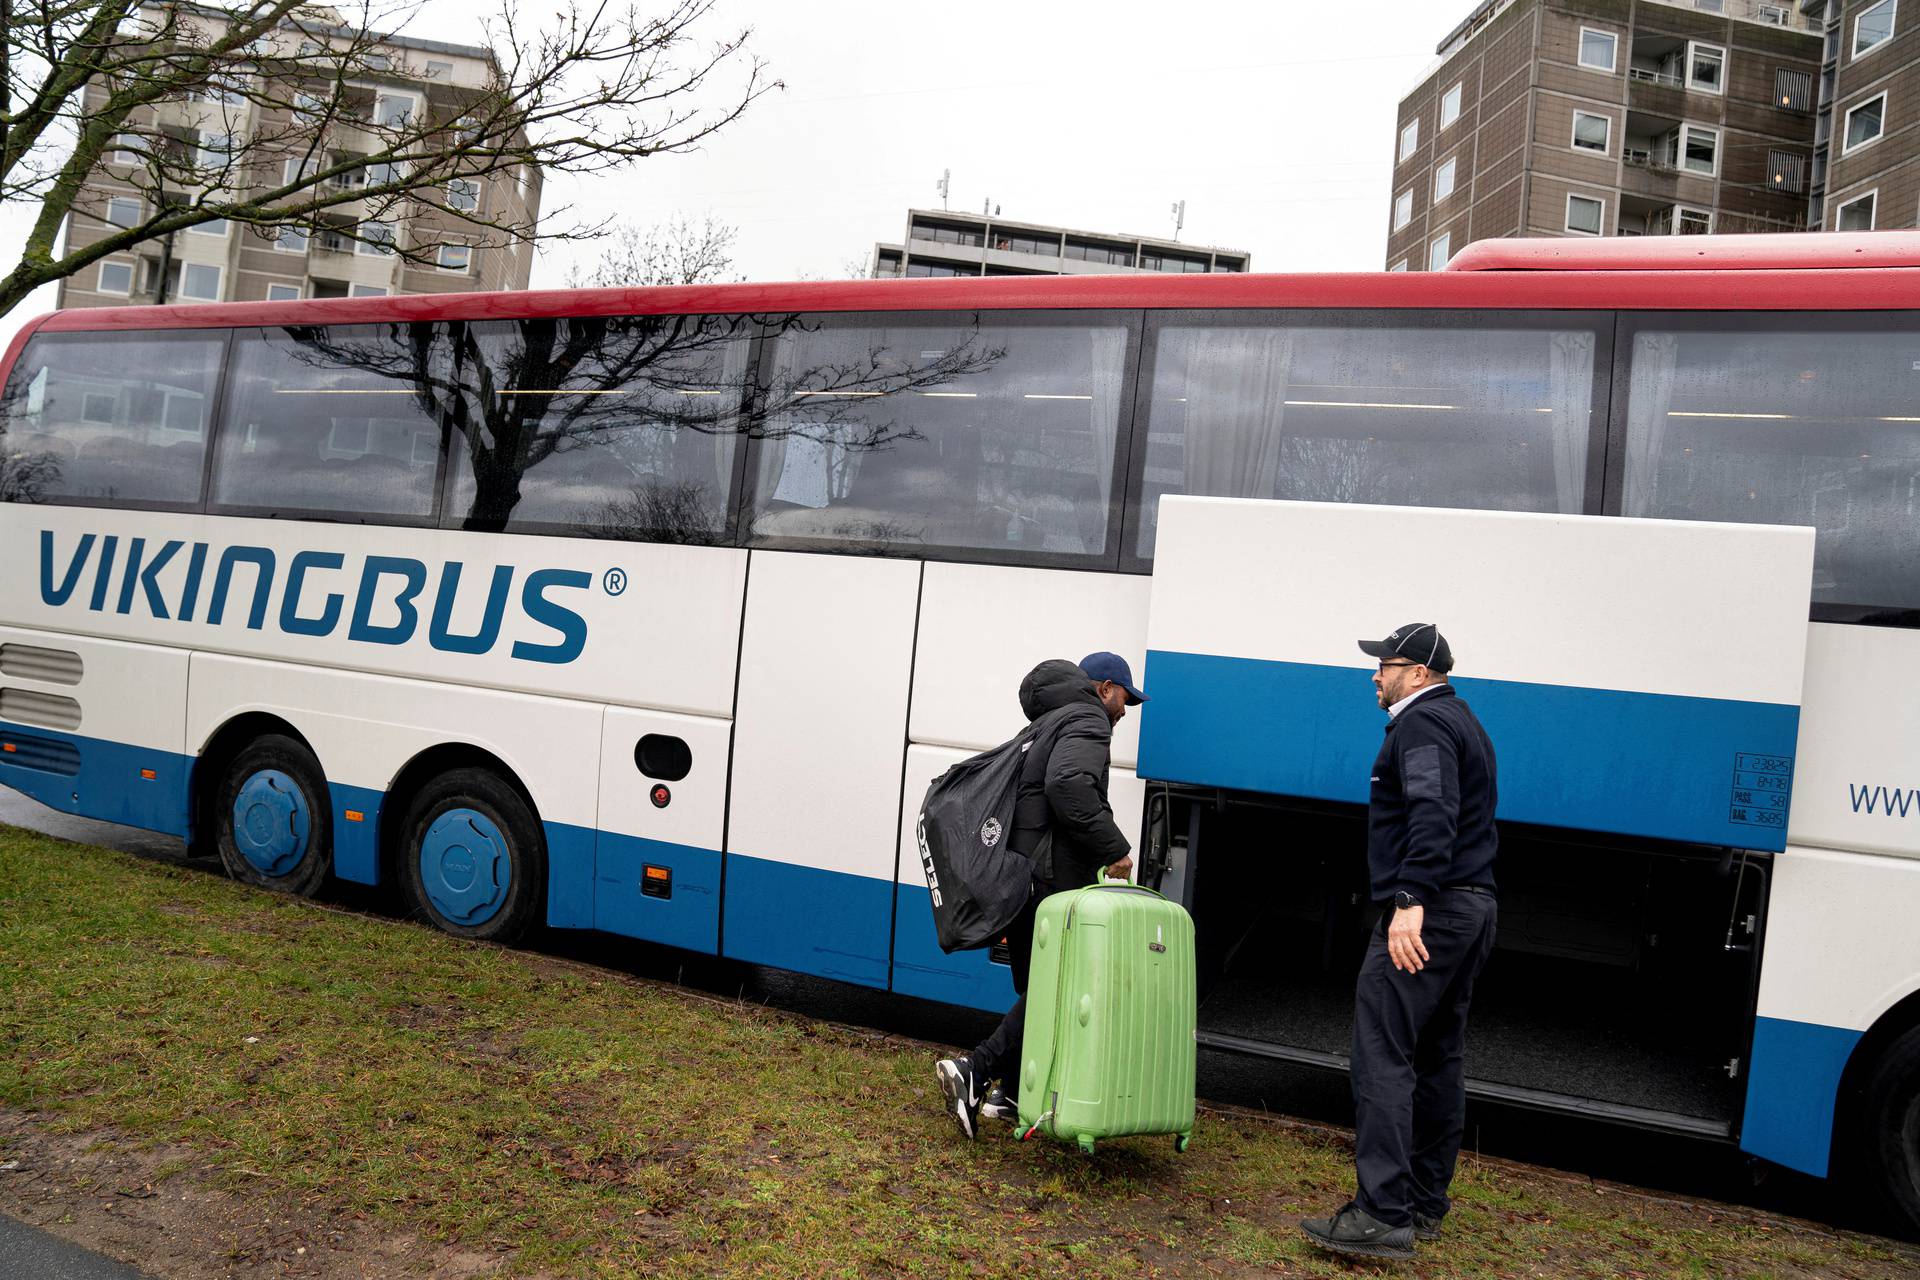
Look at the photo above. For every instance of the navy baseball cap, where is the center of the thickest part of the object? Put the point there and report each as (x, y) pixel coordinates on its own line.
(1419, 642)
(1111, 666)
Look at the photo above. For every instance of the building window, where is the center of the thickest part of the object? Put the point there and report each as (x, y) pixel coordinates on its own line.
(394, 110)
(367, 291)
(1592, 132)
(1586, 216)
(1409, 139)
(200, 282)
(1176, 263)
(1403, 209)
(115, 277)
(1089, 251)
(1874, 26)
(1786, 171)
(1443, 180)
(1857, 213)
(1711, 6)
(1793, 90)
(213, 227)
(1699, 149)
(1399, 266)
(126, 148)
(1450, 107)
(283, 292)
(123, 211)
(215, 151)
(1706, 68)
(291, 240)
(1865, 123)
(377, 239)
(438, 70)
(1598, 49)
(456, 257)
(948, 233)
(463, 195)
(1439, 251)
(1692, 222)
(1229, 264)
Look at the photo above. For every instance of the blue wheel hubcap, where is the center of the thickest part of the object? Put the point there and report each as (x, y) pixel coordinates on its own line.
(465, 867)
(271, 822)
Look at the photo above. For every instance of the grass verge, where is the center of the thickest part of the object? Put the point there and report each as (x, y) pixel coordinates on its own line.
(579, 1123)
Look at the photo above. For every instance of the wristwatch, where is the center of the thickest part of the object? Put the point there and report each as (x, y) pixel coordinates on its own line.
(1405, 901)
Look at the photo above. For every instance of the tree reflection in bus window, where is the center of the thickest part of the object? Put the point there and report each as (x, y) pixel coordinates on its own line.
(1496, 419)
(337, 419)
(1794, 426)
(108, 417)
(889, 434)
(623, 426)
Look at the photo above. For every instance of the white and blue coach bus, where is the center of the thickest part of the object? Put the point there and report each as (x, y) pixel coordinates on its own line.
(654, 611)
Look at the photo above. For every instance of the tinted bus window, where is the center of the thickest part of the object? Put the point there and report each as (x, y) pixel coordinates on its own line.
(106, 417)
(339, 420)
(1492, 414)
(1788, 420)
(623, 427)
(913, 434)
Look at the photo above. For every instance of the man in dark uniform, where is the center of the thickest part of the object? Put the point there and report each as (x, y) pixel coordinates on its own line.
(1430, 852)
(1061, 808)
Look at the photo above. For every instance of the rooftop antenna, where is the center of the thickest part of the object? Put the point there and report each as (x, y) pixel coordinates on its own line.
(944, 185)
(1179, 217)
(986, 207)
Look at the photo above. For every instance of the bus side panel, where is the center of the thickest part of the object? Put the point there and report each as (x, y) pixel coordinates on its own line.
(970, 978)
(1838, 956)
(813, 809)
(982, 628)
(364, 729)
(658, 873)
(84, 722)
(1857, 779)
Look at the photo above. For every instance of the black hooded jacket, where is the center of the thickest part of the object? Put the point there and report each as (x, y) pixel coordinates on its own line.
(1063, 783)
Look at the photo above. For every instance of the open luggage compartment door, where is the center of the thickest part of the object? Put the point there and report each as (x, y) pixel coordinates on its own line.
(1637, 677)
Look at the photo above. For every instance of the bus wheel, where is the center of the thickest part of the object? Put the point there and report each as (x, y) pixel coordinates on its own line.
(1892, 1133)
(273, 817)
(472, 858)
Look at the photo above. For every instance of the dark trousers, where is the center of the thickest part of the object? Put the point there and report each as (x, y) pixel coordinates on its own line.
(1409, 1040)
(998, 1056)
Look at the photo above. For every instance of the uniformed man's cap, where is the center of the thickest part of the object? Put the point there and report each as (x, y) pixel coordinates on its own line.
(1419, 642)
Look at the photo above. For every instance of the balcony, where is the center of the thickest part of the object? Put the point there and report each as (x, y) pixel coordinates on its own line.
(1772, 13)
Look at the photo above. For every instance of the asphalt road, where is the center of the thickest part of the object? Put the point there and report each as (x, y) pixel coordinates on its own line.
(1675, 1165)
(28, 1251)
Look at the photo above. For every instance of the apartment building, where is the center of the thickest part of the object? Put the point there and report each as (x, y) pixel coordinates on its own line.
(237, 140)
(942, 243)
(1623, 117)
(1866, 155)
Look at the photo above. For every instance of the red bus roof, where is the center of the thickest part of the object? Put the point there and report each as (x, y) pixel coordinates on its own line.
(1787, 251)
(1745, 273)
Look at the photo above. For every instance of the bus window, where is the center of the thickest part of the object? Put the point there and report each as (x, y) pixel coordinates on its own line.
(1787, 420)
(102, 417)
(904, 434)
(337, 420)
(621, 427)
(1490, 414)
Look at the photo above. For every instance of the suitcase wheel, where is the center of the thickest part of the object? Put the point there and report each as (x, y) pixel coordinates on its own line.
(1086, 1144)
(1181, 1141)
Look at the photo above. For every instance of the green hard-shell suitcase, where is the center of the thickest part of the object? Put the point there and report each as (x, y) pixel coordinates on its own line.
(1109, 1045)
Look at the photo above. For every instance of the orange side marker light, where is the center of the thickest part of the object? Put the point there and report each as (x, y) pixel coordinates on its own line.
(355, 815)
(149, 775)
(8, 747)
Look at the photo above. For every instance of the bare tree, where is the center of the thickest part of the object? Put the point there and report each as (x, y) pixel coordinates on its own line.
(678, 251)
(268, 114)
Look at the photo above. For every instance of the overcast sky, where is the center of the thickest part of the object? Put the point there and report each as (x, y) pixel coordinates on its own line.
(1272, 119)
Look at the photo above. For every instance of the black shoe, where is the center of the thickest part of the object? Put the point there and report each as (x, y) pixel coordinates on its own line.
(961, 1090)
(998, 1106)
(1354, 1232)
(1425, 1228)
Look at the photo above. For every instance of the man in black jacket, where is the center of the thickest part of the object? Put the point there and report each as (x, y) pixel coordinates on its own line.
(1430, 853)
(1062, 816)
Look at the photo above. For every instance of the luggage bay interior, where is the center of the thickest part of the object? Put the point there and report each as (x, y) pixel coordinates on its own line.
(1621, 986)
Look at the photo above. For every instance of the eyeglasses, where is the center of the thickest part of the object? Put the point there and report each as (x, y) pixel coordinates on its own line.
(1385, 665)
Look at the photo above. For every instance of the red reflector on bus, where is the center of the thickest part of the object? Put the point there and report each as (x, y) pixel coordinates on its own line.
(354, 815)
(148, 774)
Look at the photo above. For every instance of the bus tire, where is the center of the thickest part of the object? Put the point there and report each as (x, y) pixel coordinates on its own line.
(1891, 1129)
(273, 817)
(473, 861)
